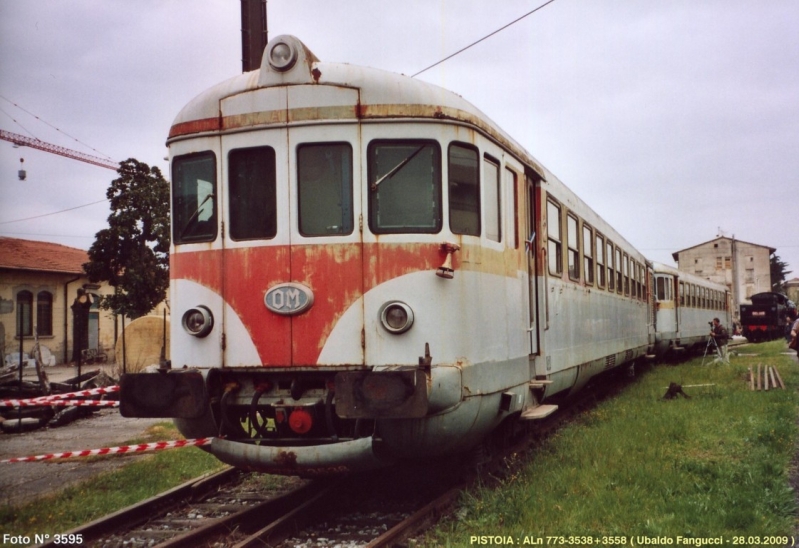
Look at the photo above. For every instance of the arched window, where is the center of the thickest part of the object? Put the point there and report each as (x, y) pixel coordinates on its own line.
(24, 314)
(44, 313)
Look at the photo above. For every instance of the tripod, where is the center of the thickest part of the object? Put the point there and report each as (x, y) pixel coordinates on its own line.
(720, 357)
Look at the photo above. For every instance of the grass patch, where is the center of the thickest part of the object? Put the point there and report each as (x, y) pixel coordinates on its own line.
(89, 500)
(714, 464)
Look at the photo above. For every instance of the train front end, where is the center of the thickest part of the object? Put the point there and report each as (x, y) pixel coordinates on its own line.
(311, 285)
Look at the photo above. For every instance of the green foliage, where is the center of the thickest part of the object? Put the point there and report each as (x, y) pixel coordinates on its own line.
(132, 254)
(779, 270)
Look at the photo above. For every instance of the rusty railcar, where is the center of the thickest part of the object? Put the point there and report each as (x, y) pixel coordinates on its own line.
(368, 269)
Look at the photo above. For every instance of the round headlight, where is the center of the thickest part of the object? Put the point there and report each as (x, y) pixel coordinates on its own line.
(198, 321)
(396, 317)
(282, 55)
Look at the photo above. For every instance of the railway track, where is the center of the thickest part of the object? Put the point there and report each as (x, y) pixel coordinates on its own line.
(236, 509)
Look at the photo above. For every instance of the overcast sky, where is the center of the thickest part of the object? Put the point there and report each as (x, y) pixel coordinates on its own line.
(673, 119)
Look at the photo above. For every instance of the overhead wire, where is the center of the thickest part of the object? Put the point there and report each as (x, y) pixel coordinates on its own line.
(545, 4)
(52, 213)
(51, 125)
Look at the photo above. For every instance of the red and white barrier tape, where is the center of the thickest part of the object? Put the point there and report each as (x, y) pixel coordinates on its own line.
(60, 403)
(82, 393)
(124, 449)
(57, 399)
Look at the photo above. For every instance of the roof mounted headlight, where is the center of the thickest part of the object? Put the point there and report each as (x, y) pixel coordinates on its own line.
(282, 54)
(396, 317)
(198, 321)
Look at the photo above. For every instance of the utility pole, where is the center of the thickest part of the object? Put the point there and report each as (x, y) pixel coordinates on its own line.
(254, 34)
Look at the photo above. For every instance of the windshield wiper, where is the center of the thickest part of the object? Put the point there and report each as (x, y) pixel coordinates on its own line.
(396, 168)
(194, 215)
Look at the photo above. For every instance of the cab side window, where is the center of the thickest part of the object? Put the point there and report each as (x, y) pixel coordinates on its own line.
(493, 199)
(464, 189)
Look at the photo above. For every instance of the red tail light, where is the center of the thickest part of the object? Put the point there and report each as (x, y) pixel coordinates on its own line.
(300, 421)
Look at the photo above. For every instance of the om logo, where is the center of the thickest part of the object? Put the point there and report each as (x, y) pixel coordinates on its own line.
(288, 299)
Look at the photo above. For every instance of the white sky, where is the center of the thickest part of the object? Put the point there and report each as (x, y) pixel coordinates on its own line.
(671, 118)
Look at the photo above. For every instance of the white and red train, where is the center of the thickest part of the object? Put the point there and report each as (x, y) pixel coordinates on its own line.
(367, 269)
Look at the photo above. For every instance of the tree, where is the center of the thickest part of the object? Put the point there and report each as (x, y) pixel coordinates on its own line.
(132, 254)
(779, 269)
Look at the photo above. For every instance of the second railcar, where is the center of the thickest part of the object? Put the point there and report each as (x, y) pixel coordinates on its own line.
(685, 305)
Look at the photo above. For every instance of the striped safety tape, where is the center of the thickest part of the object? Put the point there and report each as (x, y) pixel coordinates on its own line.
(55, 398)
(60, 403)
(82, 393)
(124, 449)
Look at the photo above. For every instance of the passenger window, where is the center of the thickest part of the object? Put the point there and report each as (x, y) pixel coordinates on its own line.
(588, 254)
(573, 239)
(600, 261)
(611, 270)
(638, 274)
(510, 186)
(464, 190)
(404, 187)
(324, 181)
(682, 294)
(493, 199)
(661, 288)
(554, 238)
(252, 193)
(619, 283)
(193, 198)
(626, 265)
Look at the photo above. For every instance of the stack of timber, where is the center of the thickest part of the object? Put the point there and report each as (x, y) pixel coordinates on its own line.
(770, 378)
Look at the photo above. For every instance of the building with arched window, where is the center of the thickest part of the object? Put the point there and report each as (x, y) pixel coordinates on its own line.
(39, 281)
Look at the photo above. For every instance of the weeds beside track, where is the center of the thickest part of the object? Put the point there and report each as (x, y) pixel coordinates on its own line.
(717, 463)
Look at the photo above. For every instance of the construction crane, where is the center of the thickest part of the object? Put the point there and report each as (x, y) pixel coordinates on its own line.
(21, 140)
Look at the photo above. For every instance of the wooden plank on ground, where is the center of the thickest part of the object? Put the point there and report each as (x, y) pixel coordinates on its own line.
(779, 378)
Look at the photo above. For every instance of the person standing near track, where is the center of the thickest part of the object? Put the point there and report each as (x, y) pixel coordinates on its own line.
(719, 334)
(794, 344)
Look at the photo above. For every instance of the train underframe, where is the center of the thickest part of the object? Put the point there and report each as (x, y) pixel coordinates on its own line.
(319, 422)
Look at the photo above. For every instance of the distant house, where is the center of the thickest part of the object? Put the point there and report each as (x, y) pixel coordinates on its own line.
(39, 281)
(745, 268)
(792, 289)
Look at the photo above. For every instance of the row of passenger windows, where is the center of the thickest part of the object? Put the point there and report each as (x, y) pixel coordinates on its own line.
(696, 296)
(404, 191)
(603, 262)
(691, 295)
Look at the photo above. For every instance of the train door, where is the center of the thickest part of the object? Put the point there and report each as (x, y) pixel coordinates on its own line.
(531, 243)
(326, 255)
(256, 242)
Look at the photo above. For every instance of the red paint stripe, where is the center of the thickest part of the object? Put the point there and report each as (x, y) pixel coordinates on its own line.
(195, 126)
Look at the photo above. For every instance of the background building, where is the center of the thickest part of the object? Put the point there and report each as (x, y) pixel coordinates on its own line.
(792, 289)
(743, 267)
(39, 281)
